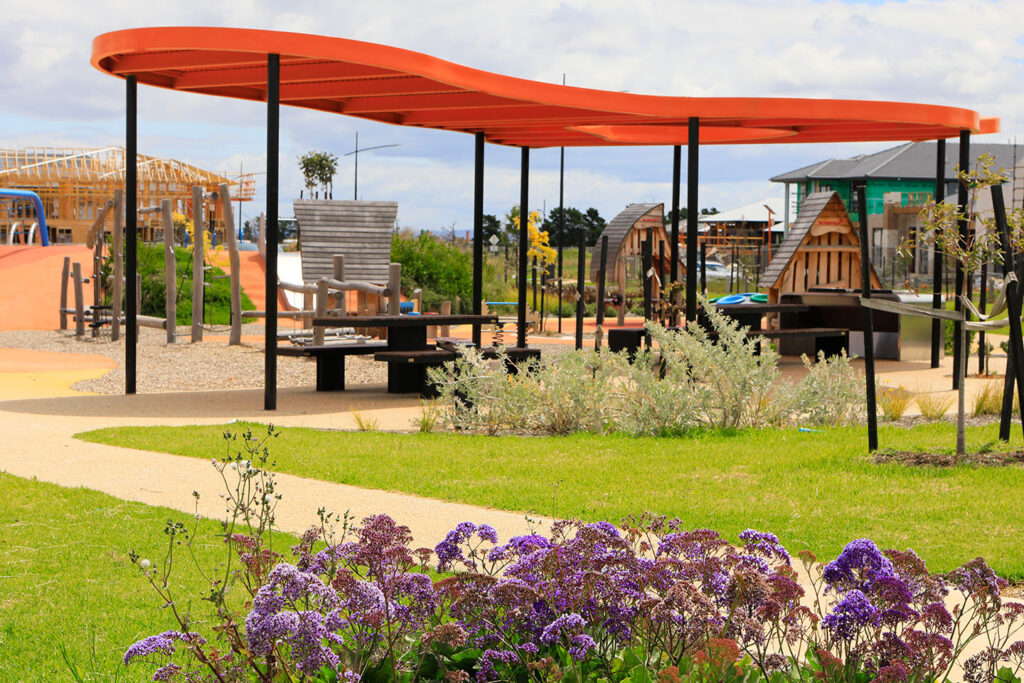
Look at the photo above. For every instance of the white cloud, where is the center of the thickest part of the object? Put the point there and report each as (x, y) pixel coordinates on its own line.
(966, 53)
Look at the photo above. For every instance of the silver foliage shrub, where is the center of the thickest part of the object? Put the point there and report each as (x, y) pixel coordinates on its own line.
(685, 382)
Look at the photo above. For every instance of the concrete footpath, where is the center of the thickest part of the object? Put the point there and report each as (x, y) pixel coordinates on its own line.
(39, 443)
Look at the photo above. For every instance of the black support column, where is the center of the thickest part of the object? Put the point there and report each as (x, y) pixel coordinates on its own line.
(940, 193)
(524, 237)
(131, 182)
(692, 159)
(964, 164)
(677, 162)
(478, 233)
(273, 145)
(561, 228)
(869, 323)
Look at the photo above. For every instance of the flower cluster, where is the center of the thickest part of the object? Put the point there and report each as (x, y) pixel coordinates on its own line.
(591, 601)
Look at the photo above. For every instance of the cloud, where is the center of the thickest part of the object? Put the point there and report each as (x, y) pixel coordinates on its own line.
(966, 53)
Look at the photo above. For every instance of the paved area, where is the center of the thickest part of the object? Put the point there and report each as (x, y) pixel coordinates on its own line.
(39, 427)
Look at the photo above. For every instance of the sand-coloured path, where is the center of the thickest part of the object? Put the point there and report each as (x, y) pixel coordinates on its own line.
(39, 442)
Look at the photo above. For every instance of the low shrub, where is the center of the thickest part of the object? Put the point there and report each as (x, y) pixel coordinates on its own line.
(988, 399)
(688, 382)
(893, 401)
(933, 406)
(647, 601)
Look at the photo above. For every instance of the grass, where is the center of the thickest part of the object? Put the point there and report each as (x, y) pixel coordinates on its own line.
(815, 490)
(933, 406)
(66, 580)
(893, 401)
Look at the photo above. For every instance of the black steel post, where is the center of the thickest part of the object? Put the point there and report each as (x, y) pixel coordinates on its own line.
(524, 203)
(646, 256)
(1014, 363)
(661, 279)
(677, 162)
(703, 267)
(869, 326)
(581, 274)
(270, 283)
(561, 229)
(131, 182)
(961, 200)
(478, 232)
(603, 263)
(732, 265)
(693, 157)
(940, 190)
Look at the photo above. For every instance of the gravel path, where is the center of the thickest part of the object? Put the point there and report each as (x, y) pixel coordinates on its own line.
(209, 365)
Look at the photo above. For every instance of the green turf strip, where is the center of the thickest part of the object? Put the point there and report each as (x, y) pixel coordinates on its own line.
(815, 490)
(66, 579)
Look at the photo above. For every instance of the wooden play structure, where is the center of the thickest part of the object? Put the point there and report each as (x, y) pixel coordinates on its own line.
(75, 183)
(627, 233)
(821, 250)
(100, 315)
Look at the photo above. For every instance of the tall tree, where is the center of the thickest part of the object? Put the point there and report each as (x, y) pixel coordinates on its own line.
(318, 168)
(594, 224)
(573, 222)
(492, 226)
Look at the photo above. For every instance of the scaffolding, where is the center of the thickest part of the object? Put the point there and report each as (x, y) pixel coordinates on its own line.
(75, 183)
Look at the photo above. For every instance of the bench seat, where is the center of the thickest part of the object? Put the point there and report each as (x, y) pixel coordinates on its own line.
(330, 360)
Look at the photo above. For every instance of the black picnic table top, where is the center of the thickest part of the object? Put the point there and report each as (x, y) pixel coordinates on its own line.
(403, 320)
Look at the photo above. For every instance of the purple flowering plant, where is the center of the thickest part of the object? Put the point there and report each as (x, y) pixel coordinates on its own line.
(648, 600)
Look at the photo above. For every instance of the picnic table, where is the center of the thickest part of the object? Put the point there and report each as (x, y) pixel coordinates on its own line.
(407, 352)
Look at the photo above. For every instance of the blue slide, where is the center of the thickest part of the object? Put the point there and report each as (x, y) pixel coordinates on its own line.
(26, 195)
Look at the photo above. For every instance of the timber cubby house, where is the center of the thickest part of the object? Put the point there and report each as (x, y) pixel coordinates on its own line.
(820, 251)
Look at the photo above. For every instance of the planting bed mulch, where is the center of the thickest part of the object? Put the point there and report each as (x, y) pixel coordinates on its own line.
(948, 459)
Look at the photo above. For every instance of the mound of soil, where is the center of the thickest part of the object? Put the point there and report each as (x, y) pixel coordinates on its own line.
(948, 459)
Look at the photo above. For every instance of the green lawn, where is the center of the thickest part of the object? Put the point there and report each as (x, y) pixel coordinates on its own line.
(816, 490)
(66, 579)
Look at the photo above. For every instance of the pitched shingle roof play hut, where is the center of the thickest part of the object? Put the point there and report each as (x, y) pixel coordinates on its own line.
(627, 232)
(821, 250)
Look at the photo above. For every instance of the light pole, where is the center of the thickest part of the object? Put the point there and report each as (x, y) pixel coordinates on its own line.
(355, 152)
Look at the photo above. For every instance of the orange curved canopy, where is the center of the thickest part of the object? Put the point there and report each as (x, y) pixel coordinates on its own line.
(391, 85)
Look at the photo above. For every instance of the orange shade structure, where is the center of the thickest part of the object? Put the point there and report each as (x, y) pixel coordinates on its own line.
(392, 85)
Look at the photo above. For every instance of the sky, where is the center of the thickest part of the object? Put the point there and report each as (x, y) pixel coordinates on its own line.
(966, 53)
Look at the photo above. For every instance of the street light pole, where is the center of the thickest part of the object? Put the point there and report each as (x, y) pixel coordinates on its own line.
(355, 152)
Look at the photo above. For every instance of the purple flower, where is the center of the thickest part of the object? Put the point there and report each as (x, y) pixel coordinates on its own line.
(167, 673)
(857, 566)
(489, 659)
(162, 642)
(518, 546)
(449, 551)
(567, 624)
(764, 543)
(853, 613)
(606, 527)
(579, 645)
(486, 532)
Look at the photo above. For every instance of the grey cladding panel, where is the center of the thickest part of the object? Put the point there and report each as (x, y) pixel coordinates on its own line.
(360, 231)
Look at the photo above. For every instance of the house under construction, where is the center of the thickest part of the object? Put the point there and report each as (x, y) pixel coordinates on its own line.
(75, 183)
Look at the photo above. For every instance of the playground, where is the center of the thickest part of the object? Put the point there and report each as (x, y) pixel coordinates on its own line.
(114, 420)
